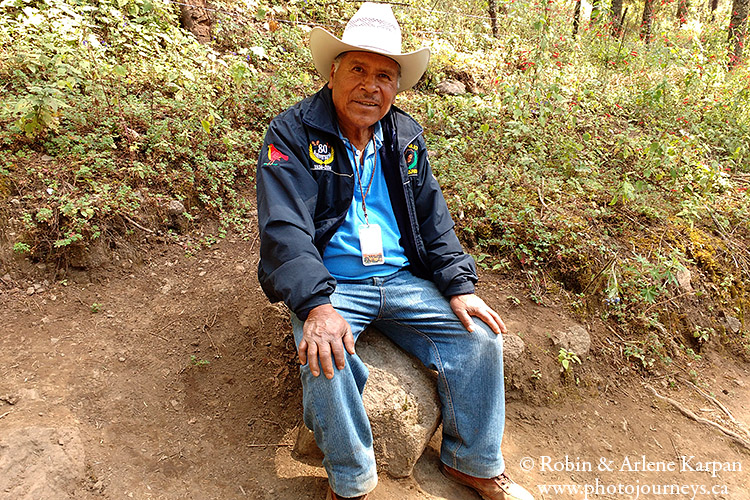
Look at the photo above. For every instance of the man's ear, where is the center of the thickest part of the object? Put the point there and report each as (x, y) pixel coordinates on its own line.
(330, 78)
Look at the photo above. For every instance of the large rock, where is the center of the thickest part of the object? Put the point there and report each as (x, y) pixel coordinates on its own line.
(41, 462)
(573, 339)
(513, 347)
(450, 87)
(402, 402)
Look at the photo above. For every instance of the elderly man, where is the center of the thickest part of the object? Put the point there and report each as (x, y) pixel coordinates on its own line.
(355, 232)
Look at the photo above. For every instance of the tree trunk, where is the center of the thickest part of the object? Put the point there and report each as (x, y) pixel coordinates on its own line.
(196, 18)
(576, 17)
(737, 30)
(682, 12)
(648, 18)
(493, 17)
(616, 13)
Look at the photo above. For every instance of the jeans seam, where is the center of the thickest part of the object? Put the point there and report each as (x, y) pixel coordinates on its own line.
(441, 374)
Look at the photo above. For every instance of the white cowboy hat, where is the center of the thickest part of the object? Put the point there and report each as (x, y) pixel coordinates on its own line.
(372, 29)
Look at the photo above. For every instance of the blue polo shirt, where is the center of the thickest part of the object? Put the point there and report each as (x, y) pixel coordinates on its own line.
(343, 257)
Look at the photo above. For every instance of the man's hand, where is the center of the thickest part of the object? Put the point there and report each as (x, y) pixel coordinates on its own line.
(325, 334)
(466, 306)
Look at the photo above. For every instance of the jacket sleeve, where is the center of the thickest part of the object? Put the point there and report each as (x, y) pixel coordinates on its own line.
(453, 271)
(291, 268)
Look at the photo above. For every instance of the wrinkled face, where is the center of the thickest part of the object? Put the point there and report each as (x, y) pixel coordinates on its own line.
(364, 88)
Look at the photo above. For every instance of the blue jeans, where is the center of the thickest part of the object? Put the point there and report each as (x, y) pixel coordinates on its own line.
(418, 318)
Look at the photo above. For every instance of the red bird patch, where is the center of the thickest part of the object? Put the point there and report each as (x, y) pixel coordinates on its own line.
(275, 155)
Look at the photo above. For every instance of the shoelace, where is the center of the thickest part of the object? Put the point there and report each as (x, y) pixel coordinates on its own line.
(503, 480)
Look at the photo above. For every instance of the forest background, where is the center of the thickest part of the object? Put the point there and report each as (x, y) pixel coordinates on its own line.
(600, 154)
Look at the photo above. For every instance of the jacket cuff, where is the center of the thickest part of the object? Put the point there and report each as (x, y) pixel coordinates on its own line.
(304, 310)
(461, 288)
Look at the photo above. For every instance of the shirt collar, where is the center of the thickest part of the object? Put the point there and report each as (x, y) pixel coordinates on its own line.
(377, 137)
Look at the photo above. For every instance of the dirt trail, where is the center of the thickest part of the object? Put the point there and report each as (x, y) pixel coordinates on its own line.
(175, 379)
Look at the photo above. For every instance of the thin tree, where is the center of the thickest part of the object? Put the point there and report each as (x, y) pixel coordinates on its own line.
(616, 11)
(648, 19)
(737, 30)
(493, 17)
(576, 17)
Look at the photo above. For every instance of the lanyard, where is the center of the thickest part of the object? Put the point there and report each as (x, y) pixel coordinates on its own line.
(369, 184)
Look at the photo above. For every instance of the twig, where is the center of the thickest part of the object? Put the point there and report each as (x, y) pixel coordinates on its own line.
(137, 225)
(254, 240)
(266, 445)
(656, 304)
(601, 271)
(206, 327)
(157, 332)
(736, 437)
(6, 414)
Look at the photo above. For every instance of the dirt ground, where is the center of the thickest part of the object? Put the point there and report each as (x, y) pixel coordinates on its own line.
(172, 377)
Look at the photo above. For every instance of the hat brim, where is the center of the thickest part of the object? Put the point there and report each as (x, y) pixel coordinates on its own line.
(325, 47)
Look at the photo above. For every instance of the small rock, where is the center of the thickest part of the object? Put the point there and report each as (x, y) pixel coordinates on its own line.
(30, 290)
(683, 278)
(121, 359)
(202, 274)
(175, 208)
(735, 325)
(15, 202)
(11, 399)
(450, 87)
(7, 278)
(48, 158)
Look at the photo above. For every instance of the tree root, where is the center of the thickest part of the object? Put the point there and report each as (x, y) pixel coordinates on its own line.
(736, 437)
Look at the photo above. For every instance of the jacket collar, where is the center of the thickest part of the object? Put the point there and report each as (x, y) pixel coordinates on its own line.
(318, 112)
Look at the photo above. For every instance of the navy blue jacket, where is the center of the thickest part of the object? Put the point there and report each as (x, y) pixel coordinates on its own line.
(305, 185)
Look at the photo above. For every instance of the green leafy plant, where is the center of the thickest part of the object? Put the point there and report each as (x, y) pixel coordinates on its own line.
(567, 359)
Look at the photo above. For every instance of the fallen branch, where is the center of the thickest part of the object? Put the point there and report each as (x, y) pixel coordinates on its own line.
(137, 225)
(736, 437)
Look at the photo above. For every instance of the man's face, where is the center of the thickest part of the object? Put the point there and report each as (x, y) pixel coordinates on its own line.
(364, 88)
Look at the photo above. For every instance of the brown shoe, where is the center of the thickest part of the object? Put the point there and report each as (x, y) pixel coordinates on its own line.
(495, 488)
(332, 496)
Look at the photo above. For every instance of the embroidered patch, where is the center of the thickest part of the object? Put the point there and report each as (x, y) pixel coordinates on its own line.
(322, 154)
(410, 155)
(275, 155)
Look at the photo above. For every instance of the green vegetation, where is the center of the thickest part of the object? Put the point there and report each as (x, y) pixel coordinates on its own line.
(604, 170)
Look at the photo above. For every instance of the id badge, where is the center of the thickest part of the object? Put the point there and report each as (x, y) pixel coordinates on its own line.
(371, 244)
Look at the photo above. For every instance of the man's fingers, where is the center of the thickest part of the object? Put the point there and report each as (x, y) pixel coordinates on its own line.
(466, 320)
(337, 349)
(312, 357)
(326, 361)
(349, 341)
(302, 352)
